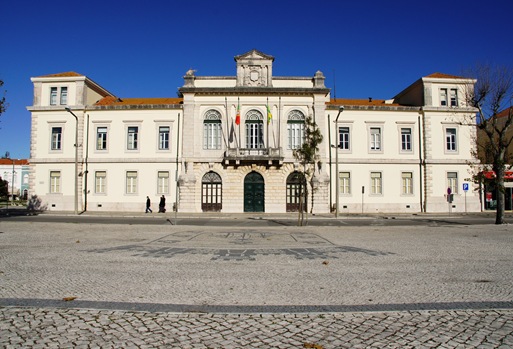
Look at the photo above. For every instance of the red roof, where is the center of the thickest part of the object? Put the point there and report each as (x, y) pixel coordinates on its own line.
(4, 161)
(444, 76)
(348, 101)
(111, 100)
(505, 112)
(61, 75)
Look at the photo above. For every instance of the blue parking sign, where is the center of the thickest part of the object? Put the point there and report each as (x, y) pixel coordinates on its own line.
(465, 186)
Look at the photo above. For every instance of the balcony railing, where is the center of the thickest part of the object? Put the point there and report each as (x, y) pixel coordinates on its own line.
(253, 155)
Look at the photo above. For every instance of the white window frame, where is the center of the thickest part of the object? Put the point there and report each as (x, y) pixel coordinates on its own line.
(376, 183)
(444, 97)
(453, 97)
(212, 130)
(407, 183)
(63, 95)
(132, 138)
(295, 129)
(402, 140)
(344, 145)
(164, 137)
(163, 182)
(54, 92)
(254, 126)
(450, 140)
(54, 141)
(452, 181)
(131, 178)
(55, 182)
(375, 139)
(344, 178)
(59, 95)
(106, 140)
(100, 182)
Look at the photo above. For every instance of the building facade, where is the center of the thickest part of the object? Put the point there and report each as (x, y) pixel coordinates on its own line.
(227, 144)
(16, 173)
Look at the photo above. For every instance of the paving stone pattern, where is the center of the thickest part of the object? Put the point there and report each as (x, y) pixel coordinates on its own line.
(212, 287)
(88, 328)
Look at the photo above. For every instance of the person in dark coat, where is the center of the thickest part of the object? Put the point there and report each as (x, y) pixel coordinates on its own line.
(148, 205)
(162, 204)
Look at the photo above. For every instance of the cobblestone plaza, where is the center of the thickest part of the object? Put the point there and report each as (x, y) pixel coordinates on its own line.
(141, 286)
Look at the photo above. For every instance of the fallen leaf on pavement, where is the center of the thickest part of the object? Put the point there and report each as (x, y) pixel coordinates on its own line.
(69, 299)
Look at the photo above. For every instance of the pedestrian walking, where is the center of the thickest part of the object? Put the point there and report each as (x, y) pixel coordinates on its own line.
(148, 205)
(162, 204)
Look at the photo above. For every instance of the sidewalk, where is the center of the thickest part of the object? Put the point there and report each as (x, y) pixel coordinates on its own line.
(17, 211)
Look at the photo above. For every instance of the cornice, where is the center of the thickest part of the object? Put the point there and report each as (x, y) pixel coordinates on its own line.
(240, 91)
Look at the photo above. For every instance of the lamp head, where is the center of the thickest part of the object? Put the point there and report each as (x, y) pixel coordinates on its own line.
(341, 108)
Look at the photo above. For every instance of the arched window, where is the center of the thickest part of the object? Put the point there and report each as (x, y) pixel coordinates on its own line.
(254, 129)
(296, 186)
(212, 130)
(211, 192)
(295, 129)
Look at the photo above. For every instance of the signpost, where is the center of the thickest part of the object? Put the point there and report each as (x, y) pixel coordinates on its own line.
(465, 189)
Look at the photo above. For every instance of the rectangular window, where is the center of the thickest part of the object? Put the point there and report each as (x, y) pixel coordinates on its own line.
(343, 138)
(450, 139)
(452, 182)
(254, 135)
(131, 182)
(443, 97)
(101, 138)
(407, 179)
(212, 135)
(345, 183)
(406, 139)
(53, 95)
(296, 134)
(64, 96)
(100, 179)
(375, 138)
(132, 138)
(164, 137)
(56, 141)
(163, 182)
(454, 97)
(55, 181)
(376, 183)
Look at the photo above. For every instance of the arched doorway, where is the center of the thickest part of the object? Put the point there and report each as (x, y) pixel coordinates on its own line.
(254, 192)
(211, 192)
(296, 185)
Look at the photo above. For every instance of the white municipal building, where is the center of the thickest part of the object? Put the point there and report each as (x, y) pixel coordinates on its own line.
(227, 145)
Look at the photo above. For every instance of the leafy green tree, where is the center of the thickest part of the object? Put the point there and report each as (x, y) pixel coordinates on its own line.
(308, 156)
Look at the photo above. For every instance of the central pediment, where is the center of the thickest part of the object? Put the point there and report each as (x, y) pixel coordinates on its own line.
(254, 69)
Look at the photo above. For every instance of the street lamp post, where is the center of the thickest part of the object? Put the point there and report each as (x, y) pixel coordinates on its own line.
(12, 184)
(337, 179)
(76, 158)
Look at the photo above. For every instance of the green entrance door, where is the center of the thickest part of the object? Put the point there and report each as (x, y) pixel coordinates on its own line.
(254, 189)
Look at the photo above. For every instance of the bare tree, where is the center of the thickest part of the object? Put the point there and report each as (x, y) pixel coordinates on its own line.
(492, 96)
(3, 103)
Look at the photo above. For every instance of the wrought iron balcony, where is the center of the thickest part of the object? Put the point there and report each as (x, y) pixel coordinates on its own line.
(239, 156)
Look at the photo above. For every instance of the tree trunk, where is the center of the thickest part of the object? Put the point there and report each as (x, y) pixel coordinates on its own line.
(499, 215)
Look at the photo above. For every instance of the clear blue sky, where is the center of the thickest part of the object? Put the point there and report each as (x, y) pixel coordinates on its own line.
(143, 48)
